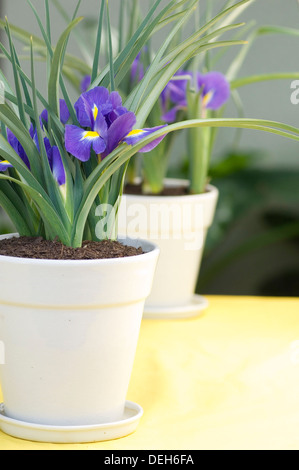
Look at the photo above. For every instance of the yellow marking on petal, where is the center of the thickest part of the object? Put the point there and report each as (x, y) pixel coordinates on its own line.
(95, 112)
(4, 162)
(90, 135)
(207, 98)
(135, 132)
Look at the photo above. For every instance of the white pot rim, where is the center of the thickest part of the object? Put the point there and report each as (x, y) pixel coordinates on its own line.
(169, 182)
(150, 250)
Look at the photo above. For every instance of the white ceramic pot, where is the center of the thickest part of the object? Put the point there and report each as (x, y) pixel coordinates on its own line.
(70, 331)
(178, 225)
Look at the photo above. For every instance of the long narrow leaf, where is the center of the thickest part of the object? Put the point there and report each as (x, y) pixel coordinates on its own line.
(51, 184)
(238, 83)
(14, 215)
(47, 211)
(110, 49)
(95, 66)
(155, 64)
(80, 38)
(39, 95)
(126, 51)
(16, 78)
(53, 88)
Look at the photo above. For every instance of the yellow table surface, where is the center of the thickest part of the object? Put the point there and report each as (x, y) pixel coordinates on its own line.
(226, 380)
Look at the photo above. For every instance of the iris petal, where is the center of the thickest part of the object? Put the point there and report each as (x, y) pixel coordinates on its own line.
(100, 126)
(175, 93)
(4, 165)
(115, 100)
(99, 145)
(215, 89)
(96, 98)
(16, 145)
(76, 143)
(118, 130)
(85, 83)
(135, 136)
(63, 110)
(170, 116)
(55, 162)
(57, 166)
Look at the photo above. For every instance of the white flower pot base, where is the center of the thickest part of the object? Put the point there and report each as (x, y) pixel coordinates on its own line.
(194, 309)
(73, 434)
(179, 226)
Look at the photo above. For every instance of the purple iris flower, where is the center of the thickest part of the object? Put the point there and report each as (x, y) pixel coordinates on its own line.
(137, 134)
(90, 104)
(215, 89)
(106, 120)
(55, 162)
(137, 69)
(13, 141)
(118, 130)
(64, 114)
(85, 83)
(4, 165)
(79, 142)
(105, 124)
(53, 154)
(176, 93)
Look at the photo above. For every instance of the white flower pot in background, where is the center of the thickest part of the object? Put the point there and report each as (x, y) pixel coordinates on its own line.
(70, 331)
(178, 225)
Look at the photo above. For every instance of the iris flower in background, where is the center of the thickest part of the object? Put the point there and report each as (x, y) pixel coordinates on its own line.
(213, 87)
(64, 114)
(105, 123)
(137, 69)
(136, 135)
(85, 83)
(175, 93)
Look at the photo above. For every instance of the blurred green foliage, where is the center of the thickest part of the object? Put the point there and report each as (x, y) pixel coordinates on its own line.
(249, 190)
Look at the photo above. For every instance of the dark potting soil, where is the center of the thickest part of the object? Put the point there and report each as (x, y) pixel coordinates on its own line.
(38, 248)
(136, 190)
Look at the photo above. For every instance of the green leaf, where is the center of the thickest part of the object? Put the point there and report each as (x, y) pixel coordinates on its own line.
(16, 79)
(14, 215)
(51, 184)
(41, 27)
(110, 49)
(47, 212)
(21, 34)
(125, 53)
(142, 89)
(45, 104)
(80, 38)
(95, 66)
(238, 83)
(163, 77)
(53, 88)
(19, 130)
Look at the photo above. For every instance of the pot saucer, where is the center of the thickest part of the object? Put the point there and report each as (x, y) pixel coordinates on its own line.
(73, 434)
(193, 309)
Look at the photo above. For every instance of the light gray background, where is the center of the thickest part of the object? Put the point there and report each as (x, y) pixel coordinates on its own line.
(269, 54)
